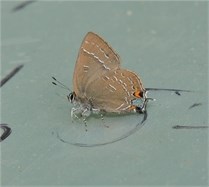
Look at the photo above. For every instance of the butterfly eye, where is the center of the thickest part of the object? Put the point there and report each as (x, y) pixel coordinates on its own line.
(71, 97)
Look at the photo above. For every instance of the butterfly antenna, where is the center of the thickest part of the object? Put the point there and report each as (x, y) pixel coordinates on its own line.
(61, 85)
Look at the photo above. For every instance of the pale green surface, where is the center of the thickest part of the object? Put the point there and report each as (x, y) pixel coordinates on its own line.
(165, 42)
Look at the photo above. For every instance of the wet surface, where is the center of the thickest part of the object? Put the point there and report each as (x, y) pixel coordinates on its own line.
(104, 132)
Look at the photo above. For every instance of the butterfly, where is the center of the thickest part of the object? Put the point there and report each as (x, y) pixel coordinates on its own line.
(101, 85)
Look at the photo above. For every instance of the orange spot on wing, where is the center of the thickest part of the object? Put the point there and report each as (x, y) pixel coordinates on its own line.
(138, 94)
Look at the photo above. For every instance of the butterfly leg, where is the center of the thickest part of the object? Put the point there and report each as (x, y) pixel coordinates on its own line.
(74, 113)
(84, 121)
(103, 121)
(86, 113)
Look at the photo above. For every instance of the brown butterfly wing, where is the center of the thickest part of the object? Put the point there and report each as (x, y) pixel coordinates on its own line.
(115, 91)
(95, 58)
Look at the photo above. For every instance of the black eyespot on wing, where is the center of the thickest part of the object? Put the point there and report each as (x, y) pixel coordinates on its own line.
(141, 94)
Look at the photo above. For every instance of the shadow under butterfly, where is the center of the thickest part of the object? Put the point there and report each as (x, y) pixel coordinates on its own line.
(102, 88)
